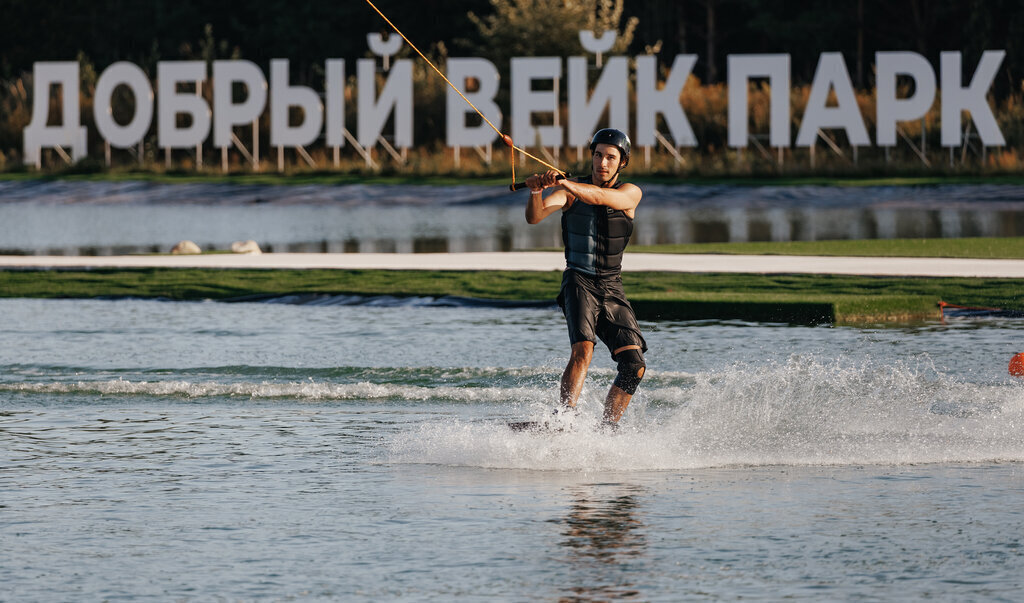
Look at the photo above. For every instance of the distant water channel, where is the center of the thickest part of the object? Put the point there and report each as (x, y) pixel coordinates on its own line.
(107, 218)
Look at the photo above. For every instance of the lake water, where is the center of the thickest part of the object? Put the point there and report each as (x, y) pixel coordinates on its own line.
(104, 218)
(178, 451)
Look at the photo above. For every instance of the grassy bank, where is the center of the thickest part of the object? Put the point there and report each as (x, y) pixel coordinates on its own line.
(979, 248)
(656, 296)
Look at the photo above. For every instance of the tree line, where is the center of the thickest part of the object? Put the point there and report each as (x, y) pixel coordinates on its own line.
(102, 32)
(105, 31)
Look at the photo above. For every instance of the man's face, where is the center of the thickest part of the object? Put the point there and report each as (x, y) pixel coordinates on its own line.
(606, 161)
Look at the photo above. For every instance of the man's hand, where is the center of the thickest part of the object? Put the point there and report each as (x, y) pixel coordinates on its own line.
(540, 182)
(538, 207)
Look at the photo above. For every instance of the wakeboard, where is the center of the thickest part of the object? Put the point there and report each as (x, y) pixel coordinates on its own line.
(538, 427)
(531, 426)
(546, 427)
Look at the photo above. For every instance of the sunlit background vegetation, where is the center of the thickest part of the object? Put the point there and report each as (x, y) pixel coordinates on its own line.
(99, 33)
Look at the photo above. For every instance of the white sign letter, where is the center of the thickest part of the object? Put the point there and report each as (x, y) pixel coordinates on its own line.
(283, 97)
(228, 114)
(69, 133)
(611, 91)
(650, 101)
(742, 68)
(486, 74)
(956, 98)
(831, 74)
(395, 97)
(526, 102)
(127, 74)
(595, 44)
(891, 110)
(335, 96)
(170, 103)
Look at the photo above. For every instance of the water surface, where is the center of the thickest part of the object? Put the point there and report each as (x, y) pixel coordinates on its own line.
(247, 451)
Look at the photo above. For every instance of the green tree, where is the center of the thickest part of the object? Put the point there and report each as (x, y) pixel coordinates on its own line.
(519, 28)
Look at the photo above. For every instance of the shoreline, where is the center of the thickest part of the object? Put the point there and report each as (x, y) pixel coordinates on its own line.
(786, 289)
(540, 261)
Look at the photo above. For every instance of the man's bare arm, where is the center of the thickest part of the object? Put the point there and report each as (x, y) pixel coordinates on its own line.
(626, 197)
(540, 207)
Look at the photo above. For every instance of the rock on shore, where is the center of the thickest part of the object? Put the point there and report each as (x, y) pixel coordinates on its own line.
(186, 248)
(250, 246)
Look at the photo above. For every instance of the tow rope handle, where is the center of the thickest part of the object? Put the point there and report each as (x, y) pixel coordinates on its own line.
(521, 185)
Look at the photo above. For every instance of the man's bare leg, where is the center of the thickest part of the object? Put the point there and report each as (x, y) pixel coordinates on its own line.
(615, 404)
(576, 372)
(618, 400)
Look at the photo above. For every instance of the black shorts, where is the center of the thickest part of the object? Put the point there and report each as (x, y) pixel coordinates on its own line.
(595, 307)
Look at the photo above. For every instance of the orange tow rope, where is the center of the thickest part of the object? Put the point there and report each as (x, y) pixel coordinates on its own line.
(504, 137)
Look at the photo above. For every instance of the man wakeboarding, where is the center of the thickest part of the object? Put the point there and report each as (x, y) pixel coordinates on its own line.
(597, 221)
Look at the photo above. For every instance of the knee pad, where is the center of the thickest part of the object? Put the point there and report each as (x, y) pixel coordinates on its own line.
(631, 367)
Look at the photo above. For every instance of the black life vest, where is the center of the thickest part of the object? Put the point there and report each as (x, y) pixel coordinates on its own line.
(595, 236)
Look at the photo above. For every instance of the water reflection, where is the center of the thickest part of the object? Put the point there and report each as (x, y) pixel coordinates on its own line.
(105, 218)
(604, 542)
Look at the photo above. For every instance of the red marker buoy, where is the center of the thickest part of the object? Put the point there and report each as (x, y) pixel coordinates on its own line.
(1017, 365)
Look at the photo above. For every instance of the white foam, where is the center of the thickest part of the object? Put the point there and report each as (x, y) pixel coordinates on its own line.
(311, 390)
(799, 413)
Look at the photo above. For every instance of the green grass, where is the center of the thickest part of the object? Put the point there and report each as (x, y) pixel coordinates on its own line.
(814, 298)
(194, 283)
(656, 296)
(979, 248)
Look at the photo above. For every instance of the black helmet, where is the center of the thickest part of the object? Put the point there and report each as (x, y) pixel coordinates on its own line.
(616, 138)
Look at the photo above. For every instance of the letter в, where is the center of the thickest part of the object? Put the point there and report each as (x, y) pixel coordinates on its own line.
(486, 74)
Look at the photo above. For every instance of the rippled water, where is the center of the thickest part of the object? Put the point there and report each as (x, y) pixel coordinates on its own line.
(243, 451)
